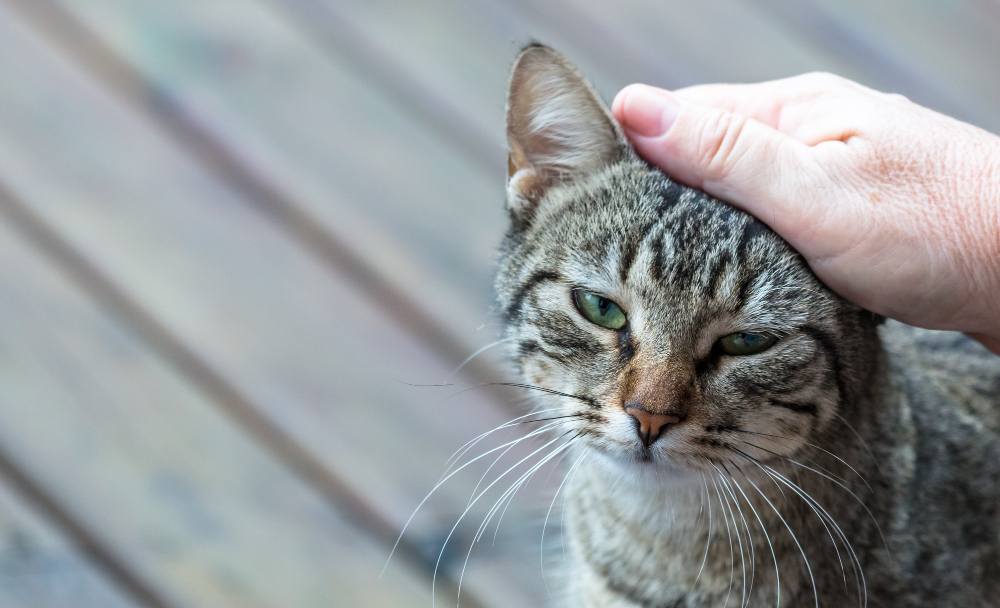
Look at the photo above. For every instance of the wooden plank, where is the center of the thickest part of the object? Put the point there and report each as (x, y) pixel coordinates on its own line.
(416, 87)
(885, 64)
(317, 359)
(751, 40)
(191, 505)
(371, 260)
(304, 122)
(285, 144)
(938, 53)
(954, 45)
(794, 48)
(457, 54)
(711, 41)
(97, 552)
(463, 50)
(40, 566)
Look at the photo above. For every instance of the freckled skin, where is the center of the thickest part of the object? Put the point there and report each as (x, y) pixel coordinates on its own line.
(853, 461)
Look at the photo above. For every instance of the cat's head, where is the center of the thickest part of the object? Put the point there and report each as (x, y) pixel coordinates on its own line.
(673, 329)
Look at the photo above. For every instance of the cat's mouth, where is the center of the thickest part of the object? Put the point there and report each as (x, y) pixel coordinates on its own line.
(682, 447)
(631, 446)
(648, 466)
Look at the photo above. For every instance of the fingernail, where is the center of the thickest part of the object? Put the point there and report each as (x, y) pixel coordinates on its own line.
(647, 111)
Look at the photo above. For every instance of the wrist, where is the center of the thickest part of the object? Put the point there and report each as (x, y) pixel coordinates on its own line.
(981, 218)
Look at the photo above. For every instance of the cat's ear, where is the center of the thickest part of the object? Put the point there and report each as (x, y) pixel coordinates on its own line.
(558, 129)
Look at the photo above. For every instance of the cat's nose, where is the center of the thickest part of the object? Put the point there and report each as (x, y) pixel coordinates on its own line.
(650, 426)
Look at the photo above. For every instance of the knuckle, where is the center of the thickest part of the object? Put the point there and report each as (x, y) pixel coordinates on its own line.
(825, 80)
(820, 77)
(720, 140)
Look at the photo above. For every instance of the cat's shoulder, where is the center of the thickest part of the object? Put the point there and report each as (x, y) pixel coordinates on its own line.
(944, 369)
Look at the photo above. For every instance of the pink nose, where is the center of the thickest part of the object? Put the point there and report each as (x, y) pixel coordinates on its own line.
(650, 426)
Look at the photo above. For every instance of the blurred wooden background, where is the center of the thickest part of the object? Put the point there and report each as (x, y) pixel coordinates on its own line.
(234, 234)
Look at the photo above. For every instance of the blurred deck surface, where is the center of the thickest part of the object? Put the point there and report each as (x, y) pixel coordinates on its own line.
(236, 236)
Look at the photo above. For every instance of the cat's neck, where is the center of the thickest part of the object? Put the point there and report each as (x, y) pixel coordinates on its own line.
(638, 527)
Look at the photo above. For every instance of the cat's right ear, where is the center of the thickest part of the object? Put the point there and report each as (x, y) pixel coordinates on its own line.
(558, 129)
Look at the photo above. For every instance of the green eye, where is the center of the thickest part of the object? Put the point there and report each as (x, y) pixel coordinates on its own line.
(599, 310)
(740, 344)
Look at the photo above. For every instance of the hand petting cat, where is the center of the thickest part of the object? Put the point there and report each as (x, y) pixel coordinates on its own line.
(895, 206)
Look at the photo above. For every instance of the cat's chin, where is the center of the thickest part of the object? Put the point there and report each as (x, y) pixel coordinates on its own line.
(651, 469)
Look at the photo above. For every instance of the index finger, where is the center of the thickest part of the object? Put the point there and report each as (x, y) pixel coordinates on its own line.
(782, 104)
(811, 108)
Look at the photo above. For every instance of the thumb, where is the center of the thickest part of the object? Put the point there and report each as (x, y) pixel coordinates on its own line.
(729, 155)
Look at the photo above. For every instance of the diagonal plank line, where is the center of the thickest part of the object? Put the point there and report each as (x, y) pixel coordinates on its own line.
(92, 548)
(824, 28)
(170, 116)
(329, 25)
(335, 29)
(821, 26)
(615, 51)
(237, 406)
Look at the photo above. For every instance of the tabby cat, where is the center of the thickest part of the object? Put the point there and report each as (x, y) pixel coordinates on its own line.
(740, 435)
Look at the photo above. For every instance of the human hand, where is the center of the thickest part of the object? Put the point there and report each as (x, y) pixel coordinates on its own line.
(894, 206)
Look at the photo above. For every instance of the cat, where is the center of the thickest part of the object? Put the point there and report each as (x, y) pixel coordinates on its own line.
(739, 434)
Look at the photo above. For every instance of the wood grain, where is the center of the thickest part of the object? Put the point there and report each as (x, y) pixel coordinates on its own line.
(369, 174)
(40, 567)
(285, 212)
(197, 511)
(318, 360)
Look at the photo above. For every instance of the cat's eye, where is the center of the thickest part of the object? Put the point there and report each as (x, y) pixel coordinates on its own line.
(740, 344)
(599, 310)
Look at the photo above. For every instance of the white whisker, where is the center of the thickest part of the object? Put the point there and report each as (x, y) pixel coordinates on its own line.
(732, 554)
(750, 545)
(442, 482)
(840, 482)
(805, 559)
(562, 522)
(739, 539)
(509, 493)
(842, 461)
(773, 439)
(774, 556)
(511, 445)
(451, 532)
(468, 445)
(532, 474)
(545, 523)
(477, 353)
(864, 444)
(855, 562)
(797, 489)
(708, 540)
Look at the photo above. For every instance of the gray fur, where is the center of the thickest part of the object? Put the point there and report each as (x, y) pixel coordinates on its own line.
(890, 430)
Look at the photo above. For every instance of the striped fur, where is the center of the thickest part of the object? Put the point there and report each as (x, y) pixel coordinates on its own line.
(839, 467)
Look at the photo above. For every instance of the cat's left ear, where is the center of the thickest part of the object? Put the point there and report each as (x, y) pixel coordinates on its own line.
(558, 129)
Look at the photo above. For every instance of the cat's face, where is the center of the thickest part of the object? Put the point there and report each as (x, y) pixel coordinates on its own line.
(680, 333)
